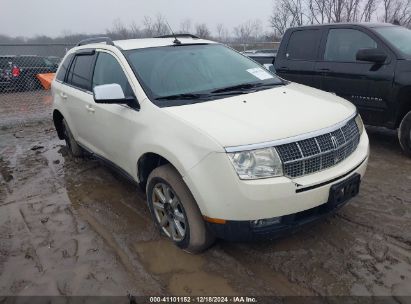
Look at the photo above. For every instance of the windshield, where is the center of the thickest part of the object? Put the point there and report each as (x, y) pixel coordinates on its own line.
(398, 36)
(175, 75)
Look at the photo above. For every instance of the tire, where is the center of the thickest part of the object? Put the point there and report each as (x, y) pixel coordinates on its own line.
(404, 134)
(71, 143)
(177, 210)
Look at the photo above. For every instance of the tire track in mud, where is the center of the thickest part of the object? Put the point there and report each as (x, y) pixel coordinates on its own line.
(92, 234)
(48, 208)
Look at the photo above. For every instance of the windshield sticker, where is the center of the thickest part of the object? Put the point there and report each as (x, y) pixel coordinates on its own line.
(260, 73)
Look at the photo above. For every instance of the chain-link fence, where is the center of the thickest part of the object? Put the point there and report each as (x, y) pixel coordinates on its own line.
(26, 71)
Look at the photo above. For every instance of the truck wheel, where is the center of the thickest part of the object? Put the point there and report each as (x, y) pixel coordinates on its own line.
(175, 210)
(404, 134)
(71, 143)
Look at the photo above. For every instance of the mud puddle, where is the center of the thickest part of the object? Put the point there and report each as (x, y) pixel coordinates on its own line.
(74, 227)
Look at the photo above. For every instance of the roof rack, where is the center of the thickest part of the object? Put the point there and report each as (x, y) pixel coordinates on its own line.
(179, 36)
(107, 40)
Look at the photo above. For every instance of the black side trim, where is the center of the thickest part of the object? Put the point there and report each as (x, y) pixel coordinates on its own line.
(330, 181)
(110, 165)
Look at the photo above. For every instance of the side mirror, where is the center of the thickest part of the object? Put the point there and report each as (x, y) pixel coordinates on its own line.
(111, 94)
(371, 55)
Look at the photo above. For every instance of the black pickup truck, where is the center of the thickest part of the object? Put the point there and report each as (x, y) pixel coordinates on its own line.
(365, 63)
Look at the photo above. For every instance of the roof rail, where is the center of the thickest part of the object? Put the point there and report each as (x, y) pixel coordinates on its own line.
(107, 40)
(179, 36)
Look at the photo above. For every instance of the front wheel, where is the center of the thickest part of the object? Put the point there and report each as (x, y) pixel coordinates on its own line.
(175, 210)
(404, 134)
(71, 143)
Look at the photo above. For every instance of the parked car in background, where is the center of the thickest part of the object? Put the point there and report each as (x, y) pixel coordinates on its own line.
(54, 59)
(265, 59)
(365, 63)
(222, 147)
(263, 51)
(30, 66)
(19, 73)
(8, 73)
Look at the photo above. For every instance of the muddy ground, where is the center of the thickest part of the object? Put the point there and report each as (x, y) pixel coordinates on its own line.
(73, 227)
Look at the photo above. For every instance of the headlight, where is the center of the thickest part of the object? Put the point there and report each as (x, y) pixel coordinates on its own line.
(359, 123)
(256, 164)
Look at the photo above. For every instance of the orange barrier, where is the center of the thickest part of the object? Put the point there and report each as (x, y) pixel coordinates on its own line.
(46, 79)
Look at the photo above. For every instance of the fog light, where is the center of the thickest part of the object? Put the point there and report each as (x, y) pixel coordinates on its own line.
(266, 222)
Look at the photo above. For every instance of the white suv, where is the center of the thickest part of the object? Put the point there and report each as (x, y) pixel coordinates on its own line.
(222, 147)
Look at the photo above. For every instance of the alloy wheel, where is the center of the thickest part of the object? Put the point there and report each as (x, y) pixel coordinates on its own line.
(169, 211)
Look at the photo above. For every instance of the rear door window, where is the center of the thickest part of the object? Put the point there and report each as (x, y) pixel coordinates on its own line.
(343, 44)
(81, 71)
(303, 45)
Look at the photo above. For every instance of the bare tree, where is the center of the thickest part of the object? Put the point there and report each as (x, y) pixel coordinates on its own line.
(317, 11)
(248, 31)
(370, 7)
(399, 10)
(352, 8)
(185, 26)
(118, 31)
(155, 27)
(135, 30)
(222, 33)
(202, 31)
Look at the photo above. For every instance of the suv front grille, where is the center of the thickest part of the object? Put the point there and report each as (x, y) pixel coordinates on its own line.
(321, 152)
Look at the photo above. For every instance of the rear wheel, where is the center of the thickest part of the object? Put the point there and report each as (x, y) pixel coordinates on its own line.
(175, 210)
(404, 134)
(71, 143)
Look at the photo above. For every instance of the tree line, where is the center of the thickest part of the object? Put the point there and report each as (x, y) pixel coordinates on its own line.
(289, 13)
(285, 14)
(249, 31)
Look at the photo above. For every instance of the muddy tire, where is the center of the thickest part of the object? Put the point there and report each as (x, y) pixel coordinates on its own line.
(404, 134)
(72, 145)
(175, 210)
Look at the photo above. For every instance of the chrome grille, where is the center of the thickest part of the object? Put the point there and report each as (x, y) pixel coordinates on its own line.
(321, 152)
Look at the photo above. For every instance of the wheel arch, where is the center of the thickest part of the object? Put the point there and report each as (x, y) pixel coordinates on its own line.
(147, 163)
(404, 100)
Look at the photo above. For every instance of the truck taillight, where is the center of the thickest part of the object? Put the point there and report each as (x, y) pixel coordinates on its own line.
(15, 72)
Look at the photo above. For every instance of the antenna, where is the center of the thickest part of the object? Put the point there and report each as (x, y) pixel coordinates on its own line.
(176, 41)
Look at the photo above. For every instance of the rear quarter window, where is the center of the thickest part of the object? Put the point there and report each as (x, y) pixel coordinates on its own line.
(303, 45)
(63, 69)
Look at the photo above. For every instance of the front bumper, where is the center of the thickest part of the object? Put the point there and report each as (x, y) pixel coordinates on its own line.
(244, 231)
(220, 194)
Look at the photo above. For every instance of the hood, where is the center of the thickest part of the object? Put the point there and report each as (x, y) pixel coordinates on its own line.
(266, 115)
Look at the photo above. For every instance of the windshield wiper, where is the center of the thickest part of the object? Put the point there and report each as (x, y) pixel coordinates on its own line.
(245, 87)
(239, 87)
(182, 96)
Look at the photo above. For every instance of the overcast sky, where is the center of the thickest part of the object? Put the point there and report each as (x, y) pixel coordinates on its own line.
(52, 17)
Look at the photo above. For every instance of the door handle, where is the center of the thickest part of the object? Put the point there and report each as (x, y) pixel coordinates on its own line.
(63, 95)
(90, 109)
(324, 70)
